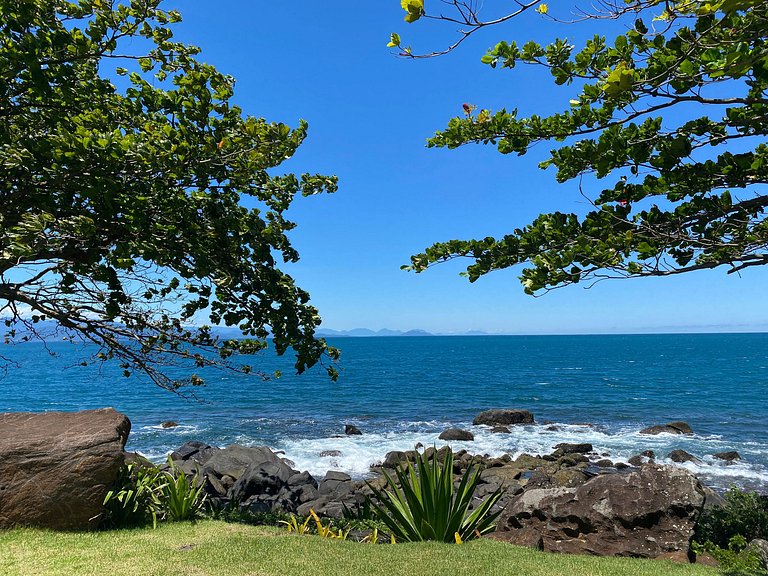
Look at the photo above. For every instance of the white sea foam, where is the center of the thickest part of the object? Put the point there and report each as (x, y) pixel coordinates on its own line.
(358, 453)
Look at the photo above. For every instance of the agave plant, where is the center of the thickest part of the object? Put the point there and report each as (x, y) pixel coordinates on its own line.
(181, 497)
(427, 506)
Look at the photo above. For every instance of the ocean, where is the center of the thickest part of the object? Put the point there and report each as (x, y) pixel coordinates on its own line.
(401, 391)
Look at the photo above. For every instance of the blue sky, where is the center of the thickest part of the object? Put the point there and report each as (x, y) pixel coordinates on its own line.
(370, 113)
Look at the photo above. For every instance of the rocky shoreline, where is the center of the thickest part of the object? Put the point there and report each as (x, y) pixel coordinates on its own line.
(573, 499)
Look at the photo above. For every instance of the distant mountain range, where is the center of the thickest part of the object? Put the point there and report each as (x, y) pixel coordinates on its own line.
(367, 333)
(52, 332)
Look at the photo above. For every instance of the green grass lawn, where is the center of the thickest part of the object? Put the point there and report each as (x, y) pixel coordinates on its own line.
(211, 547)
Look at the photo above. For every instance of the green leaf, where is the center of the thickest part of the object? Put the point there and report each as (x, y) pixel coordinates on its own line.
(394, 40)
(413, 8)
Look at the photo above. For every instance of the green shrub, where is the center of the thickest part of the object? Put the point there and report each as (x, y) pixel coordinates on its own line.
(743, 514)
(427, 506)
(134, 499)
(735, 560)
(180, 497)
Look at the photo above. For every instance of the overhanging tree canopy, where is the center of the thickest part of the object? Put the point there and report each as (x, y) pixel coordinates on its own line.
(674, 112)
(120, 208)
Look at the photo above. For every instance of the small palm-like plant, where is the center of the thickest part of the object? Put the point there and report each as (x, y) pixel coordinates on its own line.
(427, 506)
(182, 498)
(134, 499)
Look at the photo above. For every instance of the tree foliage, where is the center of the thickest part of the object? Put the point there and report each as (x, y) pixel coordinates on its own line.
(673, 112)
(123, 166)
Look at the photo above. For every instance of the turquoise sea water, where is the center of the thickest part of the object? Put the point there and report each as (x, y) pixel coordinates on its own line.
(400, 391)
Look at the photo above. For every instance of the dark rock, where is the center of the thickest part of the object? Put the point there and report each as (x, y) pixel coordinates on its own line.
(727, 456)
(677, 556)
(214, 486)
(169, 424)
(56, 467)
(712, 498)
(189, 467)
(529, 539)
(528, 462)
(645, 513)
(305, 493)
(302, 479)
(394, 458)
(563, 478)
(670, 428)
(338, 476)
(642, 458)
(681, 456)
(621, 466)
(331, 453)
(234, 459)
(500, 417)
(351, 430)
(706, 559)
(501, 430)
(187, 450)
(197, 451)
(137, 460)
(336, 484)
(566, 448)
(456, 434)
(266, 478)
(572, 460)
(604, 463)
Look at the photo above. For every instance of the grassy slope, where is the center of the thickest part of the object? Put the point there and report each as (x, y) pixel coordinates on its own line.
(236, 550)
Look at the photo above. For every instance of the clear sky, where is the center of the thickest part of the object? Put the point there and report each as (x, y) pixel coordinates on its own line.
(370, 113)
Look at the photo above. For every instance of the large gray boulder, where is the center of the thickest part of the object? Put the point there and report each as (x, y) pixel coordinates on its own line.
(503, 417)
(645, 513)
(235, 459)
(56, 467)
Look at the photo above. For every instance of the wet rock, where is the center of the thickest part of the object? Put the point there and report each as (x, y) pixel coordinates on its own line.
(642, 458)
(394, 458)
(645, 513)
(56, 467)
(681, 456)
(528, 462)
(331, 453)
(604, 463)
(568, 448)
(670, 428)
(730, 456)
(351, 430)
(456, 434)
(503, 417)
(169, 424)
(501, 430)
